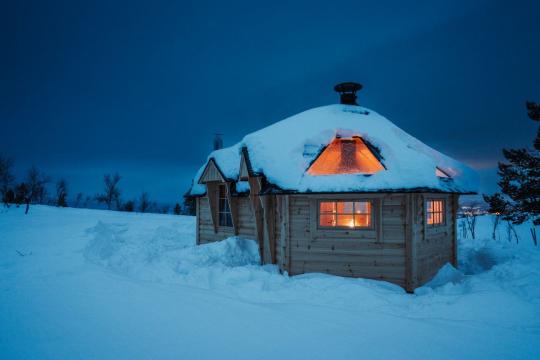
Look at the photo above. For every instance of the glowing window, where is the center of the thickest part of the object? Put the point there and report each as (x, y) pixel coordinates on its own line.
(435, 212)
(224, 210)
(442, 174)
(346, 156)
(345, 214)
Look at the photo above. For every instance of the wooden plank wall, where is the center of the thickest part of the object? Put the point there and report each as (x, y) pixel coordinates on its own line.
(435, 245)
(205, 229)
(378, 253)
(282, 232)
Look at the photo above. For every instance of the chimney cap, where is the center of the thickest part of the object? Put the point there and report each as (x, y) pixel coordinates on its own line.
(348, 90)
(348, 87)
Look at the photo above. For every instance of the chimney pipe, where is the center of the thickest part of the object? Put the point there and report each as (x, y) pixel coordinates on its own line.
(347, 91)
(218, 142)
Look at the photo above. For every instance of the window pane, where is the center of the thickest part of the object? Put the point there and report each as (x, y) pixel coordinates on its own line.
(345, 207)
(345, 220)
(222, 204)
(362, 207)
(327, 220)
(222, 220)
(435, 212)
(327, 207)
(362, 220)
(429, 207)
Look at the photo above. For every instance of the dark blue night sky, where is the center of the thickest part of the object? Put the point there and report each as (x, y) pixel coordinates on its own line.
(140, 87)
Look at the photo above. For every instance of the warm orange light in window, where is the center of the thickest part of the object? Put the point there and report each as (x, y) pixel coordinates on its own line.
(441, 174)
(346, 156)
(351, 214)
(435, 212)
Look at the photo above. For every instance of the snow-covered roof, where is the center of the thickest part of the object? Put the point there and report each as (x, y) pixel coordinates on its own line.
(283, 152)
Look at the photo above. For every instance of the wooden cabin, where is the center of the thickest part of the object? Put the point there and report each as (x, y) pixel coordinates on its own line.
(337, 189)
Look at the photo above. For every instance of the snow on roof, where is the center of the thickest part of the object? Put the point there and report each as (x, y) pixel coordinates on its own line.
(284, 151)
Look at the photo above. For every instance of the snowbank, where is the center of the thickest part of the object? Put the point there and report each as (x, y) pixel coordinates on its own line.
(166, 255)
(100, 284)
(232, 266)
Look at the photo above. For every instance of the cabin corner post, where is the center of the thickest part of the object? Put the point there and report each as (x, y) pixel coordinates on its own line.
(455, 206)
(212, 194)
(198, 221)
(411, 234)
(287, 252)
(234, 208)
(254, 190)
(268, 205)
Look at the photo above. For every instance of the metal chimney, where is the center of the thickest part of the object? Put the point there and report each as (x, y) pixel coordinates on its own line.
(347, 91)
(218, 142)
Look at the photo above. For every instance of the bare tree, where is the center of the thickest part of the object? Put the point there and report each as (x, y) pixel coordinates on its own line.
(177, 209)
(111, 192)
(496, 218)
(144, 202)
(78, 199)
(61, 193)
(471, 212)
(463, 228)
(6, 179)
(21, 193)
(511, 230)
(35, 186)
(129, 206)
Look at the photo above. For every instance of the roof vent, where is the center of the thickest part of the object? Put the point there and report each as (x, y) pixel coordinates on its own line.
(347, 91)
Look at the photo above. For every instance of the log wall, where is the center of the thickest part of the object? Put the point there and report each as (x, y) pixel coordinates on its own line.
(436, 245)
(399, 248)
(205, 227)
(377, 253)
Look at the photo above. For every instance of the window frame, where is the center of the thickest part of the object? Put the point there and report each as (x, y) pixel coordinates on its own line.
(227, 212)
(442, 212)
(348, 228)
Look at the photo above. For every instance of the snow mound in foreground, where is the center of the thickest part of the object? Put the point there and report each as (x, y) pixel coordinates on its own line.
(232, 266)
(163, 254)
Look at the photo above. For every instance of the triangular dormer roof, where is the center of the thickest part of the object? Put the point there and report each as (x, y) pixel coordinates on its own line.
(210, 173)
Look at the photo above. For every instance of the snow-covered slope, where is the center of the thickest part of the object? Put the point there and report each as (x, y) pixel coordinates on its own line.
(283, 152)
(90, 284)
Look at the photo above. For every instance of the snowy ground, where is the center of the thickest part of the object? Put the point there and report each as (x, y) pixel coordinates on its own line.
(79, 284)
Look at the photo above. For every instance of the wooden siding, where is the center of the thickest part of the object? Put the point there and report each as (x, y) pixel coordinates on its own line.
(377, 253)
(205, 228)
(435, 245)
(399, 248)
(244, 173)
(211, 173)
(246, 221)
(206, 231)
(282, 232)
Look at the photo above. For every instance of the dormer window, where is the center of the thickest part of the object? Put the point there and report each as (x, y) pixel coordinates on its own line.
(346, 156)
(441, 173)
(224, 208)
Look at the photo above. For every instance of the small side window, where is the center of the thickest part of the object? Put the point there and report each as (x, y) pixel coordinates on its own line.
(224, 210)
(435, 212)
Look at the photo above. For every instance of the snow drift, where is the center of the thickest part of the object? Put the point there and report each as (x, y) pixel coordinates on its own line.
(93, 284)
